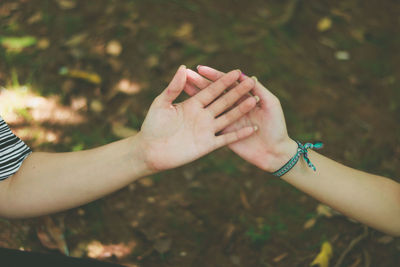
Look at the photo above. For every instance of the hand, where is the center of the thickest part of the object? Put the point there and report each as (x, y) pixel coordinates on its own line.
(175, 134)
(270, 148)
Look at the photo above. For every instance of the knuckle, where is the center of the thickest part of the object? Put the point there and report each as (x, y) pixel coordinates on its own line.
(223, 121)
(210, 94)
(244, 107)
(225, 81)
(226, 102)
(229, 117)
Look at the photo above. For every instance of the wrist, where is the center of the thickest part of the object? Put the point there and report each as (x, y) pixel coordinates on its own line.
(302, 152)
(138, 158)
(283, 152)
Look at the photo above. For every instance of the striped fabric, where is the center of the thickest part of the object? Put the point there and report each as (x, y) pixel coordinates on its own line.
(12, 151)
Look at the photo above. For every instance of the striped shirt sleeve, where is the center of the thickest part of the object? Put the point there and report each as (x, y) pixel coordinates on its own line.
(13, 151)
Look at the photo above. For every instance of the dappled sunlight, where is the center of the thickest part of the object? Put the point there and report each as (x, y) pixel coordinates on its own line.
(97, 250)
(38, 135)
(128, 87)
(21, 104)
(37, 119)
(79, 76)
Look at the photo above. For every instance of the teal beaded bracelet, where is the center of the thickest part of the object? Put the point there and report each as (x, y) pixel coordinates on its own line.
(301, 151)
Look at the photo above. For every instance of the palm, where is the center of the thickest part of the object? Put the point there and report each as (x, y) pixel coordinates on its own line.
(264, 147)
(182, 133)
(256, 147)
(173, 135)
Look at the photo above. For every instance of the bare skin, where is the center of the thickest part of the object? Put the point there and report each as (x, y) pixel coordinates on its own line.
(171, 135)
(371, 199)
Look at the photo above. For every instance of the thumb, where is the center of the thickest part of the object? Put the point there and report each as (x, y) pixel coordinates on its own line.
(267, 98)
(176, 86)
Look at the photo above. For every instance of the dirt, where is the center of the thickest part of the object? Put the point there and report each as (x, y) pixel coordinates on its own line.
(219, 210)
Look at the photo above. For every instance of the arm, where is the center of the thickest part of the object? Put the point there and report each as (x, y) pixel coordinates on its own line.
(170, 136)
(50, 182)
(370, 199)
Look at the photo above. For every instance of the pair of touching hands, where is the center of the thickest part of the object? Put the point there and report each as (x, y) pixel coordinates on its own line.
(223, 109)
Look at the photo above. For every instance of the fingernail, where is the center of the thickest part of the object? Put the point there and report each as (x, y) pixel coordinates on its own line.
(255, 127)
(257, 98)
(198, 66)
(240, 71)
(183, 66)
(254, 78)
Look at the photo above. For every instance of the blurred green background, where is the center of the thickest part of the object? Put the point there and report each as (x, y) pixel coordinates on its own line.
(79, 74)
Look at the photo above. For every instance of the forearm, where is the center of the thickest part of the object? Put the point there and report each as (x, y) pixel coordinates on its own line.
(370, 199)
(51, 182)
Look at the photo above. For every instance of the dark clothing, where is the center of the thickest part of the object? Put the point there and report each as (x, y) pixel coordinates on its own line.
(17, 258)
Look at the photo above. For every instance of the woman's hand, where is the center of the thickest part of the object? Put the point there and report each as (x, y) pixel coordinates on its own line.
(175, 134)
(270, 148)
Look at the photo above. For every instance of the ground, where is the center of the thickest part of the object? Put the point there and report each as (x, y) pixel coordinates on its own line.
(79, 74)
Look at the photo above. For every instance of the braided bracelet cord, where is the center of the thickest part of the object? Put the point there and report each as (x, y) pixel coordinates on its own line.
(301, 151)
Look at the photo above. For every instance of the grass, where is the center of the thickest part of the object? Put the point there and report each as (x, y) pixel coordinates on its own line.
(258, 235)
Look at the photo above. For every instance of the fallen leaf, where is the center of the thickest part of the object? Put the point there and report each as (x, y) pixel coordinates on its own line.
(76, 39)
(114, 48)
(151, 200)
(243, 198)
(185, 31)
(96, 106)
(310, 223)
(51, 235)
(80, 74)
(323, 257)
(324, 210)
(163, 245)
(146, 182)
(280, 257)
(35, 18)
(183, 253)
(342, 55)
(386, 239)
(357, 261)
(43, 43)
(229, 231)
(134, 224)
(324, 24)
(152, 61)
(339, 13)
(66, 4)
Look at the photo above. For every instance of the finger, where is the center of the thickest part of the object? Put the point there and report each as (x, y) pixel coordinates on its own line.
(197, 79)
(210, 73)
(190, 89)
(229, 138)
(265, 95)
(211, 92)
(175, 87)
(226, 101)
(233, 115)
(213, 74)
